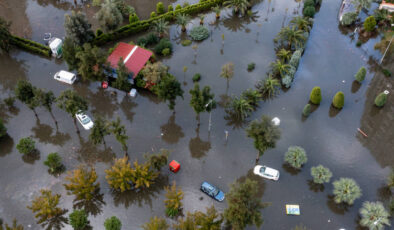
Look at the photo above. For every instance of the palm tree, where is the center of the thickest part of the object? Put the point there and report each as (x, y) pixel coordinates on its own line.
(173, 201)
(120, 133)
(268, 87)
(99, 131)
(346, 190)
(47, 100)
(252, 96)
(291, 35)
(374, 215)
(182, 20)
(280, 68)
(240, 108)
(201, 17)
(301, 23)
(227, 72)
(216, 9)
(142, 175)
(239, 6)
(161, 27)
(72, 103)
(284, 55)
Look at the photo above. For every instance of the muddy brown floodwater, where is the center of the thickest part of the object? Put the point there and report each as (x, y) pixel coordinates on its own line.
(330, 137)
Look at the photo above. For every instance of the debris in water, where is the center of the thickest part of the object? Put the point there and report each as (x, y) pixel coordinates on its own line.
(364, 134)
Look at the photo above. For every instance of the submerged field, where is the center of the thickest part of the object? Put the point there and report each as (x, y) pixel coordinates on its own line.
(329, 136)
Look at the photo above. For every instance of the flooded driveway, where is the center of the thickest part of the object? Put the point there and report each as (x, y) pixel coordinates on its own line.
(329, 137)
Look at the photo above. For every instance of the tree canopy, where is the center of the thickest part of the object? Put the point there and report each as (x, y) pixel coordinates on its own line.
(77, 27)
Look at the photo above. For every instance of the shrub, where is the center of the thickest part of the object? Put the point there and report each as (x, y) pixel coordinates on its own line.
(321, 174)
(160, 8)
(133, 18)
(199, 33)
(163, 44)
(99, 32)
(307, 110)
(152, 39)
(141, 41)
(309, 11)
(315, 96)
(166, 52)
(251, 66)
(360, 75)
(349, 18)
(370, 23)
(381, 99)
(26, 145)
(346, 190)
(79, 219)
(196, 77)
(374, 215)
(359, 43)
(309, 3)
(31, 46)
(295, 58)
(178, 7)
(339, 100)
(54, 162)
(3, 129)
(386, 72)
(153, 14)
(296, 157)
(170, 8)
(286, 81)
(112, 223)
(186, 42)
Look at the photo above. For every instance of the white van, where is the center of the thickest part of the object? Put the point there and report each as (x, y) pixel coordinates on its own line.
(65, 77)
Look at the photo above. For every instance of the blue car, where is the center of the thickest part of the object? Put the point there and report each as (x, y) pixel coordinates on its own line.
(212, 191)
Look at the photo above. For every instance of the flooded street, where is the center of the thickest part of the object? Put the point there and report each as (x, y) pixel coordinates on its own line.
(329, 136)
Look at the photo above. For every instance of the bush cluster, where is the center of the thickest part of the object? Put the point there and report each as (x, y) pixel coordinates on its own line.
(251, 66)
(196, 77)
(310, 8)
(150, 39)
(31, 46)
(163, 44)
(339, 100)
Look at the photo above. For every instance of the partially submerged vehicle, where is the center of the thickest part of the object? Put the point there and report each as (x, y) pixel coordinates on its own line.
(65, 77)
(56, 46)
(266, 172)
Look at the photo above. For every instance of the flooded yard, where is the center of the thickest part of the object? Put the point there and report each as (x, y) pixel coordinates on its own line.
(329, 136)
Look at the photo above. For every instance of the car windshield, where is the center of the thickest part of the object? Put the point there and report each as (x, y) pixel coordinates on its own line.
(85, 120)
(262, 170)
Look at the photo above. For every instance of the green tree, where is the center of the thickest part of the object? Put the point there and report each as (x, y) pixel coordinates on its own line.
(5, 35)
(268, 87)
(283, 55)
(26, 145)
(346, 190)
(109, 16)
(321, 174)
(315, 96)
(309, 11)
(169, 89)
(82, 182)
(243, 205)
(339, 100)
(156, 223)
(252, 96)
(264, 134)
(77, 27)
(291, 36)
(99, 131)
(122, 78)
(307, 110)
(112, 223)
(3, 129)
(202, 100)
(227, 72)
(120, 175)
(46, 207)
(279, 68)
(120, 133)
(70, 50)
(160, 8)
(301, 23)
(160, 26)
(142, 175)
(381, 99)
(154, 72)
(211, 220)
(72, 103)
(185, 223)
(91, 61)
(28, 94)
(240, 108)
(374, 216)
(217, 10)
(369, 23)
(295, 157)
(182, 20)
(54, 162)
(360, 75)
(79, 219)
(239, 6)
(158, 160)
(14, 226)
(173, 201)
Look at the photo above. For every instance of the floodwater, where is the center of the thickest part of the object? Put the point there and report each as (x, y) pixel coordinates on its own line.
(329, 136)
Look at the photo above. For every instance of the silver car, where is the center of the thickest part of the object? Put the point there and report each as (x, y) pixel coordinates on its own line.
(266, 172)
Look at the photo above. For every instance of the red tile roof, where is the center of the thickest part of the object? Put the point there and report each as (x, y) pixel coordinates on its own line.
(134, 57)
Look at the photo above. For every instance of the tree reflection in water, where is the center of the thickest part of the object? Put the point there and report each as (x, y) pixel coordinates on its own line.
(93, 206)
(198, 148)
(171, 132)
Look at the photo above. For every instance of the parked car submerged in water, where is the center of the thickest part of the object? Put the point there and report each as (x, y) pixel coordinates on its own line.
(212, 191)
(85, 120)
(266, 172)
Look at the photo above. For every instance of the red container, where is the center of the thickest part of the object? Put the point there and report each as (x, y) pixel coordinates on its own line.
(174, 166)
(104, 84)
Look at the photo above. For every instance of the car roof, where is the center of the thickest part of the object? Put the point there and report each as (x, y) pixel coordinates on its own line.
(66, 75)
(270, 171)
(207, 185)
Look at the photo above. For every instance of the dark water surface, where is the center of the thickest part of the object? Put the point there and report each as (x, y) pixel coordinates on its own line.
(329, 136)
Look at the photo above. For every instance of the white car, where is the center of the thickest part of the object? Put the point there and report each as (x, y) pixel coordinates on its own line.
(85, 120)
(266, 172)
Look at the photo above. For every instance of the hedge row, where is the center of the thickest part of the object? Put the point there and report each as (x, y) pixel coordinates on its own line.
(143, 25)
(31, 46)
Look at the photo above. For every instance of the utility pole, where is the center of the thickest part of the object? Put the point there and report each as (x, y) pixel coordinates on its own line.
(210, 115)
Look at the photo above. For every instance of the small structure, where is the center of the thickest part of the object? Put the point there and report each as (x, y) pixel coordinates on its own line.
(133, 92)
(134, 58)
(174, 166)
(56, 45)
(293, 209)
(276, 121)
(387, 6)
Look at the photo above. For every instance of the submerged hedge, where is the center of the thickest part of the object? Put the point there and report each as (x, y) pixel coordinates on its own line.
(143, 25)
(31, 46)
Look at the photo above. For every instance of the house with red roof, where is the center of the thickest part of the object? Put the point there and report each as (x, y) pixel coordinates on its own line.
(134, 58)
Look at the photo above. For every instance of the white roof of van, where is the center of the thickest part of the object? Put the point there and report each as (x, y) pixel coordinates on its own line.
(54, 43)
(66, 75)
